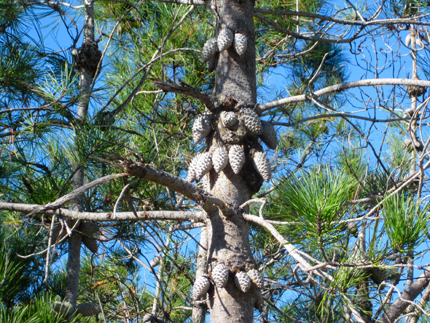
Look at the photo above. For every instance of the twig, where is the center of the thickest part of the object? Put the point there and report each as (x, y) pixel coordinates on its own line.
(48, 250)
(119, 199)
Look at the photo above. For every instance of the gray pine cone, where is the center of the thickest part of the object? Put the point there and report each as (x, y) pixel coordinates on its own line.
(206, 184)
(252, 121)
(240, 44)
(203, 165)
(262, 165)
(59, 231)
(191, 176)
(155, 261)
(89, 228)
(219, 159)
(408, 40)
(236, 156)
(90, 243)
(63, 308)
(202, 127)
(242, 281)
(209, 50)
(220, 275)
(88, 309)
(224, 39)
(201, 286)
(256, 277)
(268, 135)
(228, 118)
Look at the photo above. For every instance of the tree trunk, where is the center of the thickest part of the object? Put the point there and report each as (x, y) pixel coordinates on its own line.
(235, 75)
(199, 310)
(85, 80)
(228, 238)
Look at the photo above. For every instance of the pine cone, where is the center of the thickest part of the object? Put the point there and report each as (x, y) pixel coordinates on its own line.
(219, 159)
(224, 39)
(191, 176)
(256, 277)
(89, 228)
(262, 165)
(228, 119)
(252, 121)
(90, 243)
(220, 275)
(415, 90)
(88, 309)
(240, 44)
(201, 286)
(242, 281)
(203, 165)
(206, 184)
(268, 135)
(202, 127)
(236, 157)
(408, 40)
(209, 50)
(63, 308)
(155, 261)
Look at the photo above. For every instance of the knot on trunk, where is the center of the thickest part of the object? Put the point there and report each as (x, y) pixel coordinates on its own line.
(87, 58)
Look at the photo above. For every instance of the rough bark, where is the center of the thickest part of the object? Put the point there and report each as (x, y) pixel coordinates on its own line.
(235, 75)
(229, 244)
(228, 237)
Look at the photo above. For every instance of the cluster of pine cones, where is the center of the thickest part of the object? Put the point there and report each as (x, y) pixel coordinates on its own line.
(243, 280)
(225, 39)
(231, 152)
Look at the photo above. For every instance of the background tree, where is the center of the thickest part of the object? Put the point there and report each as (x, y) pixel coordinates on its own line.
(102, 142)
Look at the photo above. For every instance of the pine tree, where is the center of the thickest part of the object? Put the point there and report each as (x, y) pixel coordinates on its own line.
(156, 121)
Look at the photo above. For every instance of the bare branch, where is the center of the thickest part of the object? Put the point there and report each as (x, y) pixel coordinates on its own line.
(301, 36)
(289, 247)
(108, 216)
(198, 195)
(172, 87)
(340, 87)
(336, 115)
(414, 20)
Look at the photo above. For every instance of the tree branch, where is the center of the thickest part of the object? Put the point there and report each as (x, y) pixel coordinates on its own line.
(75, 193)
(150, 173)
(108, 216)
(187, 90)
(340, 87)
(410, 293)
(301, 36)
(301, 261)
(188, 2)
(344, 21)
